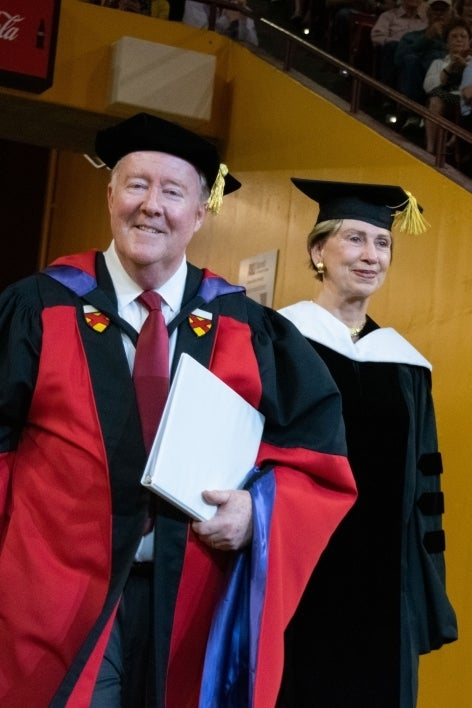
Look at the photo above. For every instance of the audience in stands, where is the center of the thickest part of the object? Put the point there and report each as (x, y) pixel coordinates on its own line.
(391, 25)
(444, 76)
(417, 50)
(422, 47)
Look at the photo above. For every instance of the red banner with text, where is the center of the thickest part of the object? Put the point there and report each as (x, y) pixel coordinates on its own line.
(28, 34)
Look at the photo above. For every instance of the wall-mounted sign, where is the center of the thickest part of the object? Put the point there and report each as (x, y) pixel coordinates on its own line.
(28, 34)
(257, 274)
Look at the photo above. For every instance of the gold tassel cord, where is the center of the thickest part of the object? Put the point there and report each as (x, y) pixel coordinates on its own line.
(216, 195)
(409, 218)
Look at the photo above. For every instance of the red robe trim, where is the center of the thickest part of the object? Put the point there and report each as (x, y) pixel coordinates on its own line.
(69, 574)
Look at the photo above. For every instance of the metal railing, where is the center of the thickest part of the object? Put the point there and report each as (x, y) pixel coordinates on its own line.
(360, 80)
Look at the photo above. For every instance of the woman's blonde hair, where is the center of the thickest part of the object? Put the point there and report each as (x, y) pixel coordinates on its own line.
(319, 234)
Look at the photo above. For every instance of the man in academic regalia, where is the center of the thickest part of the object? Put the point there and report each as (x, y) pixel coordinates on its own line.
(107, 599)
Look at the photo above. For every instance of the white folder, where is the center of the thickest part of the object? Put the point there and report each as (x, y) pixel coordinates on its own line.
(208, 439)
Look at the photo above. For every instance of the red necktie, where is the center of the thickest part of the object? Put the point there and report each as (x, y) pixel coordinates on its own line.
(151, 366)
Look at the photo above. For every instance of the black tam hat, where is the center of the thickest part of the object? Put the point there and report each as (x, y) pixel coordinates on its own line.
(382, 205)
(144, 132)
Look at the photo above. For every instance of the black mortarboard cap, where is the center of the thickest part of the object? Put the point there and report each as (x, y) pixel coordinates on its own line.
(382, 205)
(144, 132)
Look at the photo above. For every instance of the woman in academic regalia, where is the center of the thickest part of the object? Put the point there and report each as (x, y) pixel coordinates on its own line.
(377, 598)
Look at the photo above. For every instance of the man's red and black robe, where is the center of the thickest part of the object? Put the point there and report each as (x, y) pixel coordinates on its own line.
(72, 506)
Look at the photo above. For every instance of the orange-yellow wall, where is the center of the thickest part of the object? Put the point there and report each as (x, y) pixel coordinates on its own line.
(274, 128)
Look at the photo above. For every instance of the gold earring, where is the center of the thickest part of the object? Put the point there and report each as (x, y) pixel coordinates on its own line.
(319, 267)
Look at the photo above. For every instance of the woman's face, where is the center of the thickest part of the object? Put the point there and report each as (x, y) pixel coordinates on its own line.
(356, 258)
(458, 41)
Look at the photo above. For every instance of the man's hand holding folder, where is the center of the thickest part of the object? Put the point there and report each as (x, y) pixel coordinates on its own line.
(204, 449)
(231, 527)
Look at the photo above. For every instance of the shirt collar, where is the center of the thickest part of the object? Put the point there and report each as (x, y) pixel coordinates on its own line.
(172, 291)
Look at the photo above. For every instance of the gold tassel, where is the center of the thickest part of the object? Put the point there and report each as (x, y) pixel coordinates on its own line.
(409, 218)
(216, 195)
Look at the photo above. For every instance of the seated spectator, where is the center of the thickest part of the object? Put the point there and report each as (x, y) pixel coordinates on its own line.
(444, 76)
(416, 50)
(236, 25)
(465, 95)
(464, 150)
(232, 23)
(391, 25)
(196, 14)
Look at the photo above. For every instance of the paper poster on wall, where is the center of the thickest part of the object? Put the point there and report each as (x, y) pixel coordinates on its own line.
(257, 274)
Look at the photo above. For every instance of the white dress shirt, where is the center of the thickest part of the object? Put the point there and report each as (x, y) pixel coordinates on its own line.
(134, 313)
